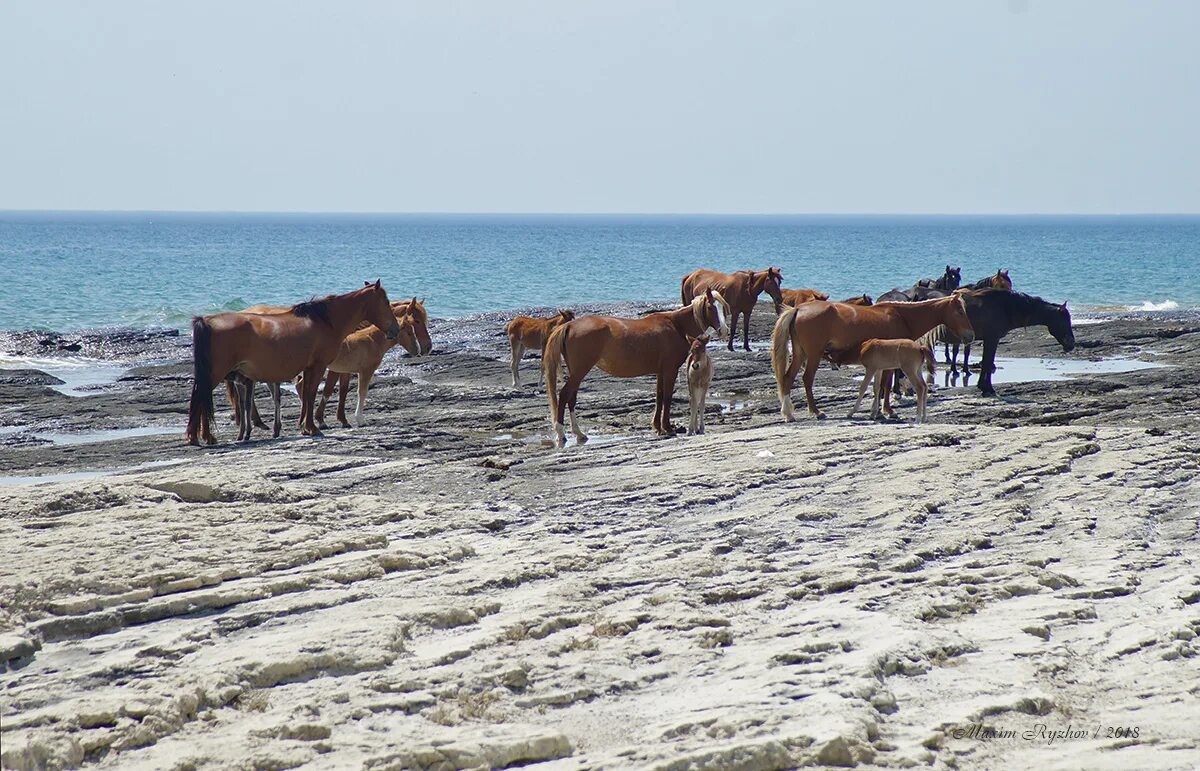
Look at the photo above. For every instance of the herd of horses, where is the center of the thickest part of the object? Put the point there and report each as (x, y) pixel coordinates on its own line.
(327, 340)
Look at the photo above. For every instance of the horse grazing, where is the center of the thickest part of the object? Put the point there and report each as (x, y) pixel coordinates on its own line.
(276, 347)
(360, 354)
(998, 281)
(816, 327)
(527, 332)
(656, 344)
(794, 297)
(699, 369)
(996, 312)
(880, 356)
(740, 290)
(862, 299)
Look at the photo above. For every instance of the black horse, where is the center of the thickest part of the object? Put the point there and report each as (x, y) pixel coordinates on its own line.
(996, 312)
(925, 289)
(949, 281)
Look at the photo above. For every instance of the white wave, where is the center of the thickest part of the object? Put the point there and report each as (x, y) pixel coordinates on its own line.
(1165, 305)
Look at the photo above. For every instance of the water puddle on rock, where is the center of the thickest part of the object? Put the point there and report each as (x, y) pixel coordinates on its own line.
(1026, 370)
(41, 479)
(81, 376)
(65, 438)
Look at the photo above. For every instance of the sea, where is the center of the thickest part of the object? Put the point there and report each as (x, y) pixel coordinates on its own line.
(71, 271)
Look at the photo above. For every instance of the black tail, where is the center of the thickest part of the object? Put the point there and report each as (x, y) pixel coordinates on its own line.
(200, 411)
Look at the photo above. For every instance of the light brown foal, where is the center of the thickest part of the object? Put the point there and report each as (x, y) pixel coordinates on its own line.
(361, 354)
(656, 344)
(882, 356)
(817, 327)
(740, 290)
(526, 332)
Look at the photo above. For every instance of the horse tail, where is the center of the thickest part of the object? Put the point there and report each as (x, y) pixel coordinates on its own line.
(930, 361)
(781, 335)
(933, 336)
(552, 357)
(200, 409)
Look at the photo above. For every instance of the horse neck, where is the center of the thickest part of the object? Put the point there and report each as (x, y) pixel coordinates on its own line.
(684, 321)
(347, 311)
(923, 316)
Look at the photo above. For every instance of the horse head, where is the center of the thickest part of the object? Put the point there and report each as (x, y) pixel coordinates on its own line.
(951, 279)
(773, 285)
(408, 331)
(379, 309)
(957, 320)
(1058, 321)
(1001, 280)
(565, 316)
(711, 311)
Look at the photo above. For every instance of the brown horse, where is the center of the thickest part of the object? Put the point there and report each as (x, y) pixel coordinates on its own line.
(418, 328)
(794, 297)
(527, 332)
(862, 299)
(816, 327)
(360, 354)
(276, 347)
(882, 356)
(998, 281)
(656, 344)
(740, 290)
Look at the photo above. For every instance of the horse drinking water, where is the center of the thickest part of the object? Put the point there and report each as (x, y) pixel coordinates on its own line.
(656, 344)
(276, 347)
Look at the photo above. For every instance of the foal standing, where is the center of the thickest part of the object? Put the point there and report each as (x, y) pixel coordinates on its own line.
(699, 378)
(879, 356)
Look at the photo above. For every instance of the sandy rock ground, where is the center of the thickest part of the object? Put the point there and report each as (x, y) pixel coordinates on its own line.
(439, 589)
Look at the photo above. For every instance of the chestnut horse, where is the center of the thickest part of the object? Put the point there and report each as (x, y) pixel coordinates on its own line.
(740, 290)
(699, 369)
(276, 347)
(361, 354)
(998, 281)
(794, 297)
(882, 356)
(816, 327)
(417, 330)
(527, 332)
(656, 344)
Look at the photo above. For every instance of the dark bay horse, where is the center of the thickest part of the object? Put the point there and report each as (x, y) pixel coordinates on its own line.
(656, 344)
(949, 281)
(740, 290)
(817, 327)
(862, 299)
(996, 312)
(275, 348)
(925, 289)
(998, 281)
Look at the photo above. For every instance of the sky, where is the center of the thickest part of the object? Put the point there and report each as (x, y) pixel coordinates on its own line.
(962, 106)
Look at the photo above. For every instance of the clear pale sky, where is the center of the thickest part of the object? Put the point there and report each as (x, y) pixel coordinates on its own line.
(606, 106)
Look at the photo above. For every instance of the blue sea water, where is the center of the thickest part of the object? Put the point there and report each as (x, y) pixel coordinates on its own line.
(69, 271)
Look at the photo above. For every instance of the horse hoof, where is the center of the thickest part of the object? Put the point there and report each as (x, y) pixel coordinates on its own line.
(260, 424)
(276, 432)
(210, 440)
(581, 439)
(819, 415)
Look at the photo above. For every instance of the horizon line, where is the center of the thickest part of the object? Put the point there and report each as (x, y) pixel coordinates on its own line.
(439, 213)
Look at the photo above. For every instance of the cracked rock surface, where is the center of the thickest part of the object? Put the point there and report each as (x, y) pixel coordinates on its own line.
(438, 589)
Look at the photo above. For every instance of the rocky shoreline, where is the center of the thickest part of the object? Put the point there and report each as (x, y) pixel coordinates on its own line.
(438, 588)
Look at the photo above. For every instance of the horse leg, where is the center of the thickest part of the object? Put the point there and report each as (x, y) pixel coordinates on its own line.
(693, 395)
(987, 366)
(919, 387)
(258, 421)
(745, 330)
(656, 421)
(275, 394)
(862, 390)
(789, 380)
(343, 391)
(810, 376)
(733, 329)
(668, 394)
(364, 382)
(881, 388)
(312, 383)
(517, 351)
(235, 402)
(570, 399)
(330, 380)
(700, 411)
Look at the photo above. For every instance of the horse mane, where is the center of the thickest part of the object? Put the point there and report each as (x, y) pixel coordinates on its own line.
(933, 336)
(317, 310)
(698, 307)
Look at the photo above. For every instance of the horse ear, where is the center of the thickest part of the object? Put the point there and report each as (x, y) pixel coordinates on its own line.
(708, 294)
(413, 301)
(378, 282)
(366, 283)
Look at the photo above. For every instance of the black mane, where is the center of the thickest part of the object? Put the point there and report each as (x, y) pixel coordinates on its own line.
(317, 310)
